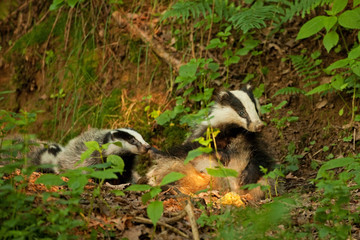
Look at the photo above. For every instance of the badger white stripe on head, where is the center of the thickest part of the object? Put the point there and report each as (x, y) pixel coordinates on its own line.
(238, 107)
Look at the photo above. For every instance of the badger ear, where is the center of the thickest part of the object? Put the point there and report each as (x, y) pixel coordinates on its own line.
(248, 88)
(223, 96)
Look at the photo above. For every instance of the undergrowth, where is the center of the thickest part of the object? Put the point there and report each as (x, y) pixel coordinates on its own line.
(72, 47)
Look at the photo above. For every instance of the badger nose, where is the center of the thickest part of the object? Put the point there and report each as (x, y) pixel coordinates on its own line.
(259, 127)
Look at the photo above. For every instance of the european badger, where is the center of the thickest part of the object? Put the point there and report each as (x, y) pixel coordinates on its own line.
(237, 115)
(46, 155)
(132, 144)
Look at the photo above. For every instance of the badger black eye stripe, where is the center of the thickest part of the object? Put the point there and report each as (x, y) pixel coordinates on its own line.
(123, 135)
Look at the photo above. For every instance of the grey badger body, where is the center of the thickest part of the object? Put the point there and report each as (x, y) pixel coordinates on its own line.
(237, 115)
(132, 144)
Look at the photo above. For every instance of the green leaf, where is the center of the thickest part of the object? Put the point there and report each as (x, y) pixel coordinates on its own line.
(338, 64)
(196, 152)
(354, 53)
(330, 40)
(93, 145)
(72, 3)
(56, 4)
(171, 177)
(106, 174)
(222, 172)
(335, 163)
(50, 180)
(117, 161)
(357, 118)
(356, 68)
(341, 112)
(355, 3)
(188, 70)
(155, 211)
(118, 193)
(311, 27)
(76, 183)
(338, 6)
(329, 22)
(138, 187)
(319, 89)
(350, 19)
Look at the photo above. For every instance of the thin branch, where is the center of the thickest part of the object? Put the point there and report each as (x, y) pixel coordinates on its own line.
(189, 210)
(122, 20)
(148, 221)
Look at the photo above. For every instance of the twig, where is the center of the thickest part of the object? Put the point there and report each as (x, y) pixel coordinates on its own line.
(190, 212)
(181, 215)
(148, 221)
(122, 20)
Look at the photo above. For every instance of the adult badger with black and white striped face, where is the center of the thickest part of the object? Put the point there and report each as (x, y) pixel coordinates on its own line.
(237, 115)
(132, 144)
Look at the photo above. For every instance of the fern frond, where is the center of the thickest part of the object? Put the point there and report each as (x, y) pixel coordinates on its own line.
(305, 66)
(289, 90)
(289, 9)
(254, 17)
(186, 8)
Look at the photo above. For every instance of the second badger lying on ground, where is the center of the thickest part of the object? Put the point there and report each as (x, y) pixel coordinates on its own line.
(132, 144)
(236, 115)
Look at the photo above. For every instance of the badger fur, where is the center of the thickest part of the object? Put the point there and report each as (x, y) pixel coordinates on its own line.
(132, 144)
(237, 115)
(46, 155)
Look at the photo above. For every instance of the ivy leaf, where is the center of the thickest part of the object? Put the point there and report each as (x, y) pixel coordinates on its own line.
(350, 19)
(154, 211)
(171, 177)
(311, 27)
(330, 40)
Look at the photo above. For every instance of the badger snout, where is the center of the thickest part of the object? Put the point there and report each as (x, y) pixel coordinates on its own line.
(256, 127)
(145, 148)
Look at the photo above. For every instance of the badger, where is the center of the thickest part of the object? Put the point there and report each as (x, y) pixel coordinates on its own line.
(46, 154)
(132, 144)
(238, 146)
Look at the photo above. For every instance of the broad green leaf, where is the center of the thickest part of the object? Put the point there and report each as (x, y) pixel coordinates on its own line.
(329, 22)
(357, 118)
(197, 152)
(356, 68)
(138, 187)
(338, 64)
(311, 27)
(354, 53)
(154, 191)
(171, 177)
(72, 3)
(77, 183)
(155, 211)
(92, 145)
(335, 163)
(338, 6)
(118, 192)
(355, 3)
(188, 70)
(56, 4)
(330, 40)
(49, 180)
(350, 19)
(106, 174)
(117, 161)
(222, 172)
(319, 89)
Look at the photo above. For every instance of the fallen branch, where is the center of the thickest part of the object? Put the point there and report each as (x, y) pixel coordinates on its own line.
(148, 221)
(122, 20)
(192, 219)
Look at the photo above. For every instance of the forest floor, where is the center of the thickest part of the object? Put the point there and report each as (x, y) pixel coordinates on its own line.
(317, 134)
